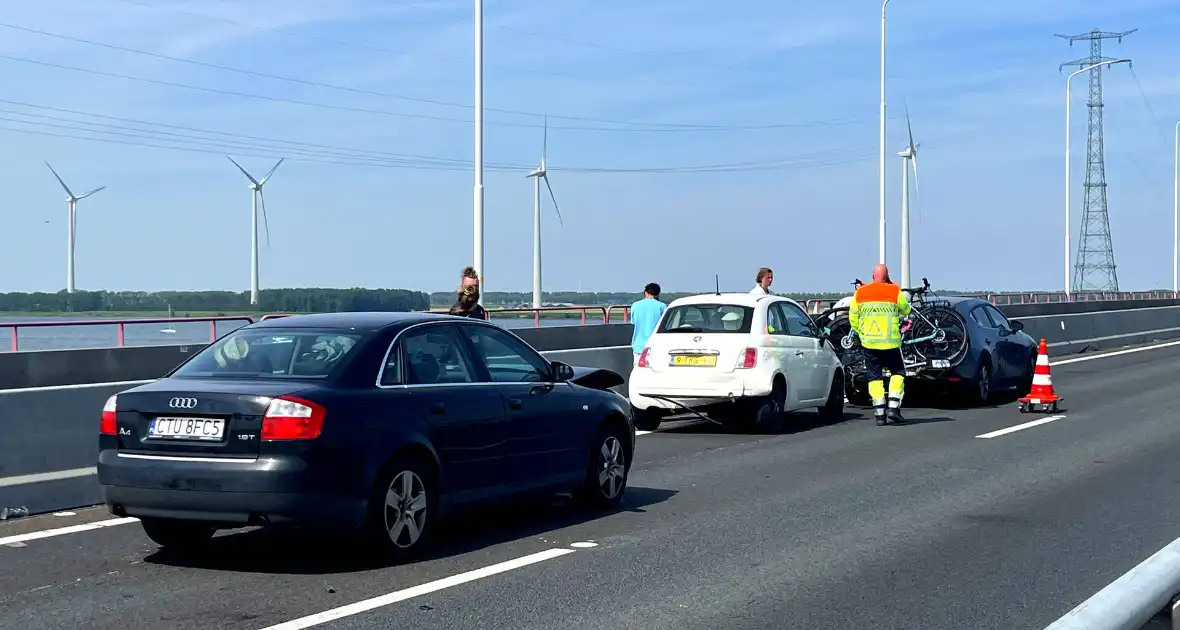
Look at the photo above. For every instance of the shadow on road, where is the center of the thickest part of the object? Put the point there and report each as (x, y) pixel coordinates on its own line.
(294, 551)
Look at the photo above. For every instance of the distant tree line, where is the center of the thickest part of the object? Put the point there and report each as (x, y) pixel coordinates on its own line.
(310, 300)
(314, 300)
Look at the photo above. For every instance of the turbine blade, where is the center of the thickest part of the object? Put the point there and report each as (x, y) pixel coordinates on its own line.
(244, 172)
(85, 195)
(271, 171)
(59, 180)
(545, 144)
(908, 128)
(554, 200)
(265, 223)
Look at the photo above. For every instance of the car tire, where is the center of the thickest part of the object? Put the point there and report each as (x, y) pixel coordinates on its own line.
(833, 410)
(981, 385)
(403, 511)
(607, 468)
(178, 536)
(855, 395)
(646, 419)
(769, 411)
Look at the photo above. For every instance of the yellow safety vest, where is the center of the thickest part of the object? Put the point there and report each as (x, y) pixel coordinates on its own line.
(875, 314)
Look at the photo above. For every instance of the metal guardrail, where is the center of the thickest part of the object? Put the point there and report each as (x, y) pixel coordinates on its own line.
(586, 314)
(119, 324)
(818, 305)
(1134, 599)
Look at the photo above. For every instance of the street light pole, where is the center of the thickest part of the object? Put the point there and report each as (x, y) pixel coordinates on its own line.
(1067, 102)
(881, 166)
(478, 210)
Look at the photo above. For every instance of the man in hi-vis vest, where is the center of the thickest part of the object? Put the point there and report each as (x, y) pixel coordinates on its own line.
(875, 314)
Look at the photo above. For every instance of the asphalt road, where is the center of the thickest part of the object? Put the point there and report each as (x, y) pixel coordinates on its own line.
(847, 525)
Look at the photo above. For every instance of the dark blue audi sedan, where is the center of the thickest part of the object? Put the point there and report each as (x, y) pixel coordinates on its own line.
(377, 422)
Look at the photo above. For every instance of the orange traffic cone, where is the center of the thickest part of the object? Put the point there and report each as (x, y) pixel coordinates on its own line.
(1042, 384)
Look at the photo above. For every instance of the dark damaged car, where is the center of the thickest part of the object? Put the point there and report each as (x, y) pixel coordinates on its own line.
(381, 423)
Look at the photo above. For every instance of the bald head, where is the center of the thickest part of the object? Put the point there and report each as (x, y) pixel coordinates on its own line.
(880, 273)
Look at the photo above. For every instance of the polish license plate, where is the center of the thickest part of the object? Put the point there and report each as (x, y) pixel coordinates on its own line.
(694, 360)
(939, 363)
(187, 428)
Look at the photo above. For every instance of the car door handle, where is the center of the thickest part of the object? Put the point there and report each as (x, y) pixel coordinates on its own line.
(438, 408)
(514, 404)
(799, 353)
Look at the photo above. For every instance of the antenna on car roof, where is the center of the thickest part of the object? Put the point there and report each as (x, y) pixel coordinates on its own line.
(717, 283)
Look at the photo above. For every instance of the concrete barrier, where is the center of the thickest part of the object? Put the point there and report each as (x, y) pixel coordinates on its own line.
(1072, 333)
(50, 400)
(1135, 600)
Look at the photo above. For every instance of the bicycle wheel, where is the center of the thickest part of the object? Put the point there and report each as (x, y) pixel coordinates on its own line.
(942, 335)
(839, 331)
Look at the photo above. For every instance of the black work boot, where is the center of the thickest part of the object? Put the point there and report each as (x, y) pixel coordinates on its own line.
(879, 413)
(895, 416)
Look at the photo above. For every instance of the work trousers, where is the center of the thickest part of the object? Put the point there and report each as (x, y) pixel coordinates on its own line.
(876, 363)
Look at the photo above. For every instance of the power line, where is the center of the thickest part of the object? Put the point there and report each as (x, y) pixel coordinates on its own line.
(342, 88)
(385, 112)
(183, 142)
(345, 43)
(262, 139)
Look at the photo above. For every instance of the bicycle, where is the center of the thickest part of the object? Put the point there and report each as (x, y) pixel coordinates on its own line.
(934, 335)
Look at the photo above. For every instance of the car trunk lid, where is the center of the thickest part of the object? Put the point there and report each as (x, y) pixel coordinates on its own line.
(197, 417)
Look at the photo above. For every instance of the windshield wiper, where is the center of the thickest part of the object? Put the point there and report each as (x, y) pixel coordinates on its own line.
(687, 329)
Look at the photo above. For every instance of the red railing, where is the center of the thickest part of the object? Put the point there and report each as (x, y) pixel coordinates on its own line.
(602, 314)
(120, 325)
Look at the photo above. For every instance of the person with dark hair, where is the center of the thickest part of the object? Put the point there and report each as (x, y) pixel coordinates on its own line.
(762, 282)
(468, 303)
(645, 314)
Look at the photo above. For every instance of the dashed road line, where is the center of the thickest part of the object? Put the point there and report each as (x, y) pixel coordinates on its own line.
(1021, 427)
(61, 531)
(424, 589)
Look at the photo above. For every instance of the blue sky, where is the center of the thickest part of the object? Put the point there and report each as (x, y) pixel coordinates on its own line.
(788, 86)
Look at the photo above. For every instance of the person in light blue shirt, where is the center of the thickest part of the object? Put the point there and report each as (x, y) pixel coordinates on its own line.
(645, 314)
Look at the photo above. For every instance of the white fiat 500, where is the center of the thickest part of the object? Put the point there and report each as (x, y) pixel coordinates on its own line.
(737, 357)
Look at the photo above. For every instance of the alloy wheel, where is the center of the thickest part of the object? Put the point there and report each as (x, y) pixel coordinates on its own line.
(405, 509)
(612, 468)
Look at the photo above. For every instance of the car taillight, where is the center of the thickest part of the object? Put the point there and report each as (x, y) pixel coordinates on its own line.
(748, 359)
(291, 418)
(643, 358)
(109, 426)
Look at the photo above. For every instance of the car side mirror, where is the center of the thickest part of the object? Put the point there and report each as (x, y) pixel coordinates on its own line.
(562, 372)
(1017, 325)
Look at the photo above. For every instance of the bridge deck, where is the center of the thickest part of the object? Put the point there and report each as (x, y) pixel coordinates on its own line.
(840, 526)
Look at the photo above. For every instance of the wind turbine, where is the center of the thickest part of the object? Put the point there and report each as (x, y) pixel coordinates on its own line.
(540, 174)
(910, 157)
(256, 196)
(72, 226)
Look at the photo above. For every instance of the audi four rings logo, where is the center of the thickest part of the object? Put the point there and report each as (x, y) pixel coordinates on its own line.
(182, 403)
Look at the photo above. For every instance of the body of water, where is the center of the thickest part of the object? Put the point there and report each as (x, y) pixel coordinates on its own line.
(92, 335)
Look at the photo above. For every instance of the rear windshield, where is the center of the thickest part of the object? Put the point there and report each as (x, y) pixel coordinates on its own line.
(267, 352)
(707, 318)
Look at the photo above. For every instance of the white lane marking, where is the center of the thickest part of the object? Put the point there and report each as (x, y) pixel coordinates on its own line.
(51, 388)
(1116, 353)
(72, 529)
(57, 475)
(1020, 427)
(420, 590)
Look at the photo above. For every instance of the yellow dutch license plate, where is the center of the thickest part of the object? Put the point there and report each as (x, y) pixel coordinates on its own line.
(694, 360)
